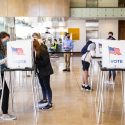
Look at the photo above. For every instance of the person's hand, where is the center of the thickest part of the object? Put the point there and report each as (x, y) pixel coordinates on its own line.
(66, 47)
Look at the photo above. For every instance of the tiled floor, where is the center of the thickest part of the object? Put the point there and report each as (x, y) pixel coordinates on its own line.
(71, 105)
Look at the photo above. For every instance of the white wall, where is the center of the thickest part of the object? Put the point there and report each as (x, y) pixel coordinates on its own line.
(106, 26)
(108, 3)
(78, 24)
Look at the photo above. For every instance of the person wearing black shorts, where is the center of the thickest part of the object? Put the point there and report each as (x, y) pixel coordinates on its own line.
(86, 64)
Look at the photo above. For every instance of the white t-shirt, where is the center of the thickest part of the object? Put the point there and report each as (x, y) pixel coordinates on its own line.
(91, 52)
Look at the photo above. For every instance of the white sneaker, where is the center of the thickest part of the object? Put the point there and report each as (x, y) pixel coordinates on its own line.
(107, 82)
(111, 82)
(8, 117)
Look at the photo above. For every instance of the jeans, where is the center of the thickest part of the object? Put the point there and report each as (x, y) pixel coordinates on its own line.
(5, 101)
(46, 89)
(112, 73)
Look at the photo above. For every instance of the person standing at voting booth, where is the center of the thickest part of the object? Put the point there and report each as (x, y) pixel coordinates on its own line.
(87, 51)
(4, 37)
(37, 36)
(67, 46)
(112, 73)
(44, 70)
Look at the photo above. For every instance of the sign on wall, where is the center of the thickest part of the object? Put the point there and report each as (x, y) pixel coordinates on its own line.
(19, 54)
(75, 33)
(113, 54)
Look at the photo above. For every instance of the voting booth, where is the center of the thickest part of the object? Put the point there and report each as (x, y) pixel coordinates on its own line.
(98, 43)
(19, 62)
(113, 57)
(113, 54)
(19, 54)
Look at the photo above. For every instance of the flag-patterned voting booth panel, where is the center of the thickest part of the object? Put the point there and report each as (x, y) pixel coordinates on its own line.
(19, 54)
(113, 54)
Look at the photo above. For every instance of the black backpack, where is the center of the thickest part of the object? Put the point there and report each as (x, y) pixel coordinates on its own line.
(84, 49)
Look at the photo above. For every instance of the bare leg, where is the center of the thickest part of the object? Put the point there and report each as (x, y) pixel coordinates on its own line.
(85, 77)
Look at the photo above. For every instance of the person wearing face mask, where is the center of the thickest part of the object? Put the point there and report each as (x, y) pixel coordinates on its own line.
(67, 46)
(112, 73)
(4, 37)
(110, 36)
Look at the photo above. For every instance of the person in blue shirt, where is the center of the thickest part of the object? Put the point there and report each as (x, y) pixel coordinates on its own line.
(4, 37)
(67, 46)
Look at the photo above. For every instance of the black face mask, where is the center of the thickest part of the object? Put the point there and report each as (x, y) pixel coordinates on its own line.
(110, 36)
(68, 37)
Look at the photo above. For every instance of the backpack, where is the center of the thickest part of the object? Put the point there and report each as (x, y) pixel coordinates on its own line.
(84, 49)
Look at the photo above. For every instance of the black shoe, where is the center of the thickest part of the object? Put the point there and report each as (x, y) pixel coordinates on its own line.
(88, 88)
(82, 86)
(48, 106)
(64, 70)
(42, 101)
(68, 70)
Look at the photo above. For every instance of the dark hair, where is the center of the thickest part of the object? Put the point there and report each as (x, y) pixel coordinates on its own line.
(3, 35)
(66, 34)
(85, 47)
(55, 40)
(111, 33)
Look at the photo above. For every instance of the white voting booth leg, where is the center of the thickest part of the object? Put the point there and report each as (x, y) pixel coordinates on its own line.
(98, 84)
(34, 93)
(94, 62)
(38, 90)
(123, 82)
(100, 94)
(10, 82)
(100, 106)
(91, 75)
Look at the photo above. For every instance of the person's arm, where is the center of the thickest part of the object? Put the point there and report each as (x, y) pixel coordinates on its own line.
(3, 61)
(92, 53)
(92, 48)
(71, 45)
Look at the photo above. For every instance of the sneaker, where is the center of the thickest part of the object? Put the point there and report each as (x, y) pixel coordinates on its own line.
(42, 101)
(107, 82)
(8, 117)
(87, 88)
(111, 83)
(64, 70)
(68, 70)
(48, 106)
(83, 86)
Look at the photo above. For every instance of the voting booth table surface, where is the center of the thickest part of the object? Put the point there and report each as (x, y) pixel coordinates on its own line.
(113, 58)
(19, 62)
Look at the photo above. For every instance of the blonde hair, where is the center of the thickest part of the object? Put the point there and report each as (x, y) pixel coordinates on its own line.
(38, 35)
